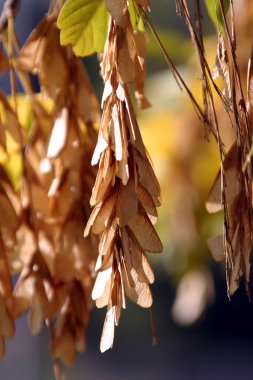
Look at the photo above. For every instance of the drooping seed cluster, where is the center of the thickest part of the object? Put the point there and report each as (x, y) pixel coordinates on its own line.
(126, 192)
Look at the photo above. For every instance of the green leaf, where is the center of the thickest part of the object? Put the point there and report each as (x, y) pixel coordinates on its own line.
(83, 24)
(135, 16)
(214, 10)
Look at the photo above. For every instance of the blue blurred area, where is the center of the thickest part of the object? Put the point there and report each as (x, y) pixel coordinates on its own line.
(29, 15)
(218, 347)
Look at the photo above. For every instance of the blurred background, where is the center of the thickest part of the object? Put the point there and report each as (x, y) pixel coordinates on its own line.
(200, 333)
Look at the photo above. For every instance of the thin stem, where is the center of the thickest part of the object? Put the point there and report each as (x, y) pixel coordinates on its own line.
(11, 60)
(180, 81)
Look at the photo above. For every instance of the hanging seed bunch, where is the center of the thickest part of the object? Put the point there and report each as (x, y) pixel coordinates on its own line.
(46, 201)
(232, 189)
(43, 218)
(126, 192)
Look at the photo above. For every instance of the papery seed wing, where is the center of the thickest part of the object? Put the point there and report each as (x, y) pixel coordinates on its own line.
(147, 176)
(144, 3)
(222, 65)
(126, 69)
(8, 217)
(108, 238)
(86, 101)
(102, 144)
(31, 54)
(140, 263)
(4, 62)
(7, 327)
(104, 298)
(145, 233)
(140, 293)
(140, 39)
(215, 245)
(35, 319)
(108, 330)
(104, 214)
(58, 136)
(67, 350)
(11, 121)
(127, 203)
(247, 247)
(127, 257)
(116, 133)
(118, 11)
(102, 278)
(250, 81)
(147, 203)
(214, 203)
(104, 179)
(5, 277)
(135, 135)
(2, 348)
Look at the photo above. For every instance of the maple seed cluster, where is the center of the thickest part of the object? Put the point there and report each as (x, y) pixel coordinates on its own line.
(126, 192)
(232, 188)
(43, 214)
(46, 205)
